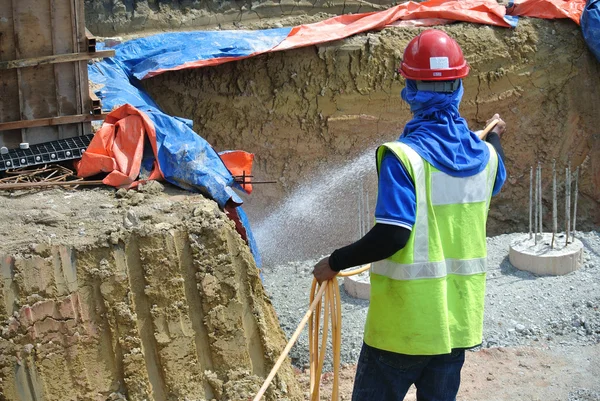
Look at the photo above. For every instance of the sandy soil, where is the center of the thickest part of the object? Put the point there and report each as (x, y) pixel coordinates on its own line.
(315, 110)
(138, 295)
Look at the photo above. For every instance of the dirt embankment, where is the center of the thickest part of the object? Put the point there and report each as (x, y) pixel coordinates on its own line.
(303, 109)
(110, 17)
(150, 297)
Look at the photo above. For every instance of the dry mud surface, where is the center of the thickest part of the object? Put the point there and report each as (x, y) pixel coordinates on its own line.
(508, 374)
(110, 17)
(140, 296)
(311, 110)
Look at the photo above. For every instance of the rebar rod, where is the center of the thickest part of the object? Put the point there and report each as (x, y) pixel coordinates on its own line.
(360, 210)
(535, 207)
(530, 199)
(575, 200)
(358, 213)
(368, 212)
(541, 209)
(554, 211)
(30, 185)
(567, 202)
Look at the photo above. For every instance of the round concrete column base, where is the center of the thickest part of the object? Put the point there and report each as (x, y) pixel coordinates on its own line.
(541, 259)
(358, 286)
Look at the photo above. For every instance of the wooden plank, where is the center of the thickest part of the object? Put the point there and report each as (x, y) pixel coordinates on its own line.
(10, 109)
(18, 54)
(79, 19)
(52, 121)
(56, 58)
(78, 88)
(66, 77)
(33, 31)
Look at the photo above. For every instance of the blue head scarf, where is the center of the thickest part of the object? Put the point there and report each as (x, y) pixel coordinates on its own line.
(440, 135)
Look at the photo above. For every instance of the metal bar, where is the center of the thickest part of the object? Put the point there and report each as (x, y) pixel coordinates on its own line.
(43, 122)
(358, 200)
(28, 185)
(90, 40)
(368, 212)
(54, 59)
(535, 206)
(530, 199)
(567, 202)
(575, 200)
(541, 209)
(361, 210)
(260, 182)
(554, 211)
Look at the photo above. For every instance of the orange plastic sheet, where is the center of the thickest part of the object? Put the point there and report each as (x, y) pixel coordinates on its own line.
(239, 163)
(548, 9)
(118, 147)
(479, 11)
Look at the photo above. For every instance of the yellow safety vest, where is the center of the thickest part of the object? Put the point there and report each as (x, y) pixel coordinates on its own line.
(428, 298)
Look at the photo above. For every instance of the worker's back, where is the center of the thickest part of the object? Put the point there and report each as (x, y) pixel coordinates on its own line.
(428, 298)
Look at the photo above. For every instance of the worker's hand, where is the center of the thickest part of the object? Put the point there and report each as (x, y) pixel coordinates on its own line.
(322, 271)
(500, 127)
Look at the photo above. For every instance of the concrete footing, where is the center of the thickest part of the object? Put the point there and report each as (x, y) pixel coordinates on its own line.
(358, 286)
(541, 259)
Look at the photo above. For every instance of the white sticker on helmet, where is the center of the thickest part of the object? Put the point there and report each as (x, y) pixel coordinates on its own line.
(438, 63)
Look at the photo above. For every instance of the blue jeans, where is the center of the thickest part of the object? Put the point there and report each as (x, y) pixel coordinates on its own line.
(387, 376)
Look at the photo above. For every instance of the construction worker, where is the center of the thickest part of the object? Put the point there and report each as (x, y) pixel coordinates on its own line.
(428, 244)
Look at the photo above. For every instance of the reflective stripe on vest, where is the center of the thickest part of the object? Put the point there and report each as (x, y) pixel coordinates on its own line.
(448, 190)
(414, 271)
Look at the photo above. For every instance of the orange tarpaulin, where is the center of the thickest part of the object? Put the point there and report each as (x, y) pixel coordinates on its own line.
(479, 11)
(118, 147)
(239, 163)
(548, 9)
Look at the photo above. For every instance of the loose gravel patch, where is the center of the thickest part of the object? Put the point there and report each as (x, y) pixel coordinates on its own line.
(521, 308)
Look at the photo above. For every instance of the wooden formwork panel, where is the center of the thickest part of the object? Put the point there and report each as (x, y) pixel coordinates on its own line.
(33, 29)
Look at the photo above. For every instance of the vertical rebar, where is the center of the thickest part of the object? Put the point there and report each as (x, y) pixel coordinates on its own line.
(359, 207)
(540, 200)
(554, 210)
(575, 200)
(535, 207)
(530, 199)
(567, 202)
(368, 218)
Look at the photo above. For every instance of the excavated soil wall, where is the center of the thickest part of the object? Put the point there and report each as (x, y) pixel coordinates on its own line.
(110, 17)
(303, 110)
(150, 297)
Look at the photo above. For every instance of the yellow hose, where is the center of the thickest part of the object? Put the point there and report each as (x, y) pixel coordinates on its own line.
(326, 296)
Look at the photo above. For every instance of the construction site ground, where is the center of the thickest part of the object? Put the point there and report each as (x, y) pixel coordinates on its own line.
(151, 294)
(541, 333)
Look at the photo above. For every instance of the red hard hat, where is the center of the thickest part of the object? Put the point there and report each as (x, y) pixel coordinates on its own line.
(433, 56)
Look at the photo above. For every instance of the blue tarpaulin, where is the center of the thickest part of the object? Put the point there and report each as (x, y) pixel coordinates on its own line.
(169, 51)
(590, 26)
(185, 158)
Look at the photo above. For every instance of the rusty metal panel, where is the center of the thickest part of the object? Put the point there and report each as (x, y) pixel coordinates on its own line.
(35, 28)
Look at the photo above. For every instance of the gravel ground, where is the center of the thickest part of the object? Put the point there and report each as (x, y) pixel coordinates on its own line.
(521, 308)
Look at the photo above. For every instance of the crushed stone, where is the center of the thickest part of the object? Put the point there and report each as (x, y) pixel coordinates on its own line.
(521, 309)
